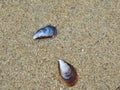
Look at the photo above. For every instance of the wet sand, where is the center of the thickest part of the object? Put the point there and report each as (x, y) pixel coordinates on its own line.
(88, 38)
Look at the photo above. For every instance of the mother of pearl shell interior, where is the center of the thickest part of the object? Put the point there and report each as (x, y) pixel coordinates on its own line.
(65, 69)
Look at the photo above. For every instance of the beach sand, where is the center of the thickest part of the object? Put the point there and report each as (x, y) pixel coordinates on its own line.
(88, 38)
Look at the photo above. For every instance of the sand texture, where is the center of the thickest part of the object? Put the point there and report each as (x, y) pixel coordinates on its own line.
(88, 38)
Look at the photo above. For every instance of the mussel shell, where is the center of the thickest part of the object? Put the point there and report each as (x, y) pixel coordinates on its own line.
(46, 32)
(73, 77)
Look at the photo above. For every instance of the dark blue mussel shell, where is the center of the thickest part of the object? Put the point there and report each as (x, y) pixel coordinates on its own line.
(47, 31)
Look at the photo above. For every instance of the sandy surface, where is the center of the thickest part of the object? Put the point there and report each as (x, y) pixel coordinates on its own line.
(88, 38)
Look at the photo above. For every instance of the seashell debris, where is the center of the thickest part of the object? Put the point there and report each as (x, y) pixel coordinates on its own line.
(67, 73)
(45, 32)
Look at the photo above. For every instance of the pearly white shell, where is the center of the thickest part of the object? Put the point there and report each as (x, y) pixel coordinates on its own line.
(65, 69)
(67, 72)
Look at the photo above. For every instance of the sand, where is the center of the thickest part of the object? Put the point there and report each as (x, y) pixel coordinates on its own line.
(88, 38)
